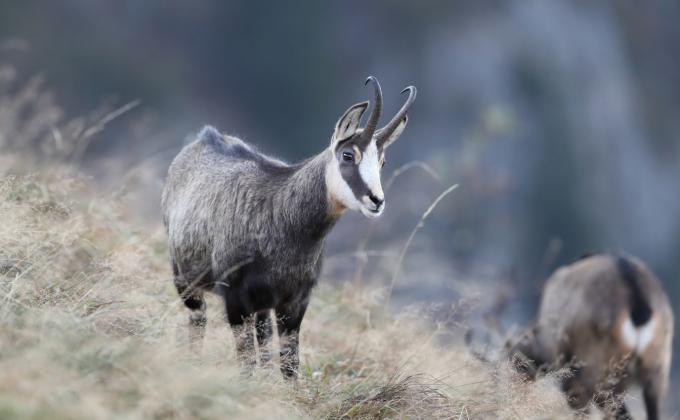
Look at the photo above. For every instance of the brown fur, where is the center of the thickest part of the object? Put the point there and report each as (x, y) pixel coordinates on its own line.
(336, 207)
(581, 325)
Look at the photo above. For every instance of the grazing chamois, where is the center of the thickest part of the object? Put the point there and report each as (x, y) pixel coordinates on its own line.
(607, 319)
(251, 228)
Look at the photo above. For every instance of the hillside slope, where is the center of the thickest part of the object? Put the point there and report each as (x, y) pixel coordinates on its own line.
(91, 327)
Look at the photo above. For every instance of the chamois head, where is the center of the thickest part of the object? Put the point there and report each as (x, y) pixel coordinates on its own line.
(353, 177)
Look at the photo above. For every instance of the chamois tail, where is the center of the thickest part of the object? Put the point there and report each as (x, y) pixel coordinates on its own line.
(638, 328)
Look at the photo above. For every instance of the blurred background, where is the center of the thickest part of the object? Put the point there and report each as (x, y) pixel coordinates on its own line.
(559, 121)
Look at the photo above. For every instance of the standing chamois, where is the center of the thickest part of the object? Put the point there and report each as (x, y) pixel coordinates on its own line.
(251, 228)
(608, 320)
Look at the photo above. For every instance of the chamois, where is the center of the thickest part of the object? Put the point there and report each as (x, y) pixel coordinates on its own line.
(607, 319)
(251, 228)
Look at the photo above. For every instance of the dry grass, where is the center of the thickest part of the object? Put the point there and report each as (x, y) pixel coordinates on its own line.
(91, 326)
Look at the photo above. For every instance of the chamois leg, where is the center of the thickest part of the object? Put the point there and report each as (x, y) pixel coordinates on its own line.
(264, 329)
(241, 322)
(288, 320)
(193, 299)
(613, 406)
(577, 389)
(651, 393)
(526, 355)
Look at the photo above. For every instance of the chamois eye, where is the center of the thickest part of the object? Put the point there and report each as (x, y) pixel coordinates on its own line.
(347, 156)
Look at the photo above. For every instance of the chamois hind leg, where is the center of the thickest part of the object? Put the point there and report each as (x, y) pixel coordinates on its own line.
(288, 320)
(652, 391)
(193, 299)
(241, 322)
(264, 329)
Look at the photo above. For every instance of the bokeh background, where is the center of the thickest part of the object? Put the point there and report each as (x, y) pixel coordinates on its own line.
(559, 120)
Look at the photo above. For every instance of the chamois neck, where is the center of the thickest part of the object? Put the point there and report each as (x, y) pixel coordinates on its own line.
(304, 202)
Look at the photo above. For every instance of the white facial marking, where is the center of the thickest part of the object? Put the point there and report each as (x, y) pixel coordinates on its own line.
(338, 188)
(369, 169)
(637, 339)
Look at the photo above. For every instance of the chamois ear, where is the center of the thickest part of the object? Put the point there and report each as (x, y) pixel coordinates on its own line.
(385, 139)
(348, 124)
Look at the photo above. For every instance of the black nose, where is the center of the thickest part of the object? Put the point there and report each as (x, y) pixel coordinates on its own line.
(378, 202)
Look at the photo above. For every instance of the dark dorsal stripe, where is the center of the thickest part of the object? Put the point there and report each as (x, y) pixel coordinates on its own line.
(640, 310)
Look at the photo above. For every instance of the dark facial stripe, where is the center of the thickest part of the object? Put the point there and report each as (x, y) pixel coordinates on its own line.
(351, 175)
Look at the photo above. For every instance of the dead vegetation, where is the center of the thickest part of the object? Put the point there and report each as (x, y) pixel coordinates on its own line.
(91, 326)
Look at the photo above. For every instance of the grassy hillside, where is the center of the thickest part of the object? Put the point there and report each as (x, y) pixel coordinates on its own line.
(91, 327)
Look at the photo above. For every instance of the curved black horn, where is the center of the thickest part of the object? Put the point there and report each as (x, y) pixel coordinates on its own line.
(372, 123)
(387, 130)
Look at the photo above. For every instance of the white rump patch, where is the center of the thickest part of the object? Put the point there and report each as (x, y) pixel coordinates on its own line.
(637, 339)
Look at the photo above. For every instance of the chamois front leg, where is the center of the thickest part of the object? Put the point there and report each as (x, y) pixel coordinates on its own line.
(264, 329)
(613, 406)
(241, 322)
(528, 355)
(194, 301)
(288, 320)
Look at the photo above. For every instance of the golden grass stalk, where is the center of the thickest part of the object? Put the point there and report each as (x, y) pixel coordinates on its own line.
(404, 249)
